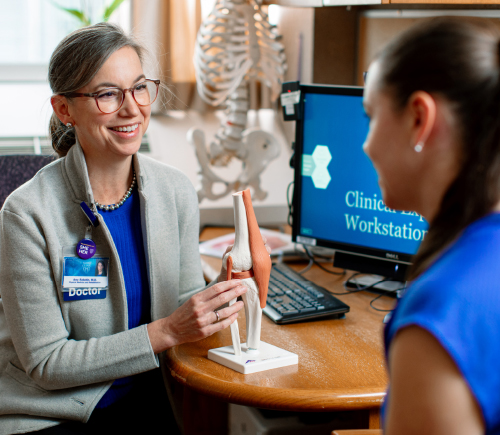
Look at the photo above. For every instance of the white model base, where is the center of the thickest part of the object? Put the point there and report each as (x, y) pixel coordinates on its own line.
(251, 361)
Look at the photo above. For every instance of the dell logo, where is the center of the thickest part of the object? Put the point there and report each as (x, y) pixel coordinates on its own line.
(393, 256)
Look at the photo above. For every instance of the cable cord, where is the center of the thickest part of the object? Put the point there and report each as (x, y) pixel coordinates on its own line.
(368, 287)
(306, 268)
(378, 309)
(311, 257)
(380, 295)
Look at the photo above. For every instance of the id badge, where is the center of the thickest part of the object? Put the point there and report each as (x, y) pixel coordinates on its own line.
(84, 278)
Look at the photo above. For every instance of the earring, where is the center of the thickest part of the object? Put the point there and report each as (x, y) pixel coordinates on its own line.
(69, 125)
(419, 147)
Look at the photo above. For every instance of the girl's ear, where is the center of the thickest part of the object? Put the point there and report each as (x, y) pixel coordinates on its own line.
(422, 110)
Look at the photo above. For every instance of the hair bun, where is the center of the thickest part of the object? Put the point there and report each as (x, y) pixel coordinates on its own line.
(63, 138)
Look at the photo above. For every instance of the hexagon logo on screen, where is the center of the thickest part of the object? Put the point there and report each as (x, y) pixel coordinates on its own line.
(315, 165)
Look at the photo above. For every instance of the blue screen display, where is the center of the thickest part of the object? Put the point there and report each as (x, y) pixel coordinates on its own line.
(341, 200)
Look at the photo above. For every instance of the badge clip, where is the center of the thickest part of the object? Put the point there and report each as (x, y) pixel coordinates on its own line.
(90, 214)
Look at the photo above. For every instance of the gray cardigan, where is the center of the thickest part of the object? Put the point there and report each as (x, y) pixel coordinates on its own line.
(57, 358)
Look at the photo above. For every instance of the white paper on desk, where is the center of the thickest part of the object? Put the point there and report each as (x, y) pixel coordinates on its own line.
(279, 243)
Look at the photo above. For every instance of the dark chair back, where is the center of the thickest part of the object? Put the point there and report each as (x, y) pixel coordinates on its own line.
(16, 169)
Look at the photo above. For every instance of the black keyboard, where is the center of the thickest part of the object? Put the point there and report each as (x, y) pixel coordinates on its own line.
(292, 298)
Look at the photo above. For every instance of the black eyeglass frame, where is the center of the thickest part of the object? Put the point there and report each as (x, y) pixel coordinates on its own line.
(131, 90)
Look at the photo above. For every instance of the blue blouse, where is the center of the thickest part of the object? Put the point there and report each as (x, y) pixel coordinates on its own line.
(125, 227)
(457, 300)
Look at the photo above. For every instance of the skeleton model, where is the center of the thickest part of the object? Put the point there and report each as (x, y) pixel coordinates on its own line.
(236, 44)
(249, 261)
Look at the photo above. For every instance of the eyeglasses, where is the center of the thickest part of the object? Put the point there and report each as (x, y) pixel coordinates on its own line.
(109, 100)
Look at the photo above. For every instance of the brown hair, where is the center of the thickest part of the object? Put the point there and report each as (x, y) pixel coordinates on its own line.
(75, 62)
(457, 59)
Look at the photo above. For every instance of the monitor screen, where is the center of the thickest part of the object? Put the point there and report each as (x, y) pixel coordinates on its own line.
(338, 203)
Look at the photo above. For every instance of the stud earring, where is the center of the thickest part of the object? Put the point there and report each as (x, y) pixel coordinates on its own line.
(69, 125)
(419, 147)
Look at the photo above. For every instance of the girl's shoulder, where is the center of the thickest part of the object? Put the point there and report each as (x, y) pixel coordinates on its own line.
(469, 265)
(457, 300)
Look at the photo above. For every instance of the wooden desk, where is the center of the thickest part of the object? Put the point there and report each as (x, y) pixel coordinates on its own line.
(341, 364)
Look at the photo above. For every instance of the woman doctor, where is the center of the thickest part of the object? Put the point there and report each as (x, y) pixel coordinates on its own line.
(82, 364)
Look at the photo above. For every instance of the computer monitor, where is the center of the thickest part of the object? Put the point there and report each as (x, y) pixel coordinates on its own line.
(337, 201)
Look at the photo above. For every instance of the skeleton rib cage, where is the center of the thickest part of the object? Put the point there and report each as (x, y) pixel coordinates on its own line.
(227, 49)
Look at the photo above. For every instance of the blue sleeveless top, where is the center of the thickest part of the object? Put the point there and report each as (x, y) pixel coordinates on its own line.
(457, 300)
(125, 227)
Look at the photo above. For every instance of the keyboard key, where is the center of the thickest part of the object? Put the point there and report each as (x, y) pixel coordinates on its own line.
(308, 310)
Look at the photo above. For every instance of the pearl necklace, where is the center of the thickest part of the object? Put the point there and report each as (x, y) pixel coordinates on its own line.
(120, 203)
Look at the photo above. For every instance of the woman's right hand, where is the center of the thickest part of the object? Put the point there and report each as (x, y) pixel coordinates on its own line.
(196, 318)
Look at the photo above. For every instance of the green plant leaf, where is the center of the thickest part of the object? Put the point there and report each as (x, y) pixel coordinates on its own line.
(75, 12)
(111, 8)
(78, 14)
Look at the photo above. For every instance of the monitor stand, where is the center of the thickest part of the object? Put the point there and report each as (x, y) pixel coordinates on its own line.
(360, 263)
(388, 288)
(377, 270)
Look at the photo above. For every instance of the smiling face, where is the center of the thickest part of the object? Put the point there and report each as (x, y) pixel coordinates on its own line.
(389, 144)
(99, 133)
(100, 267)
